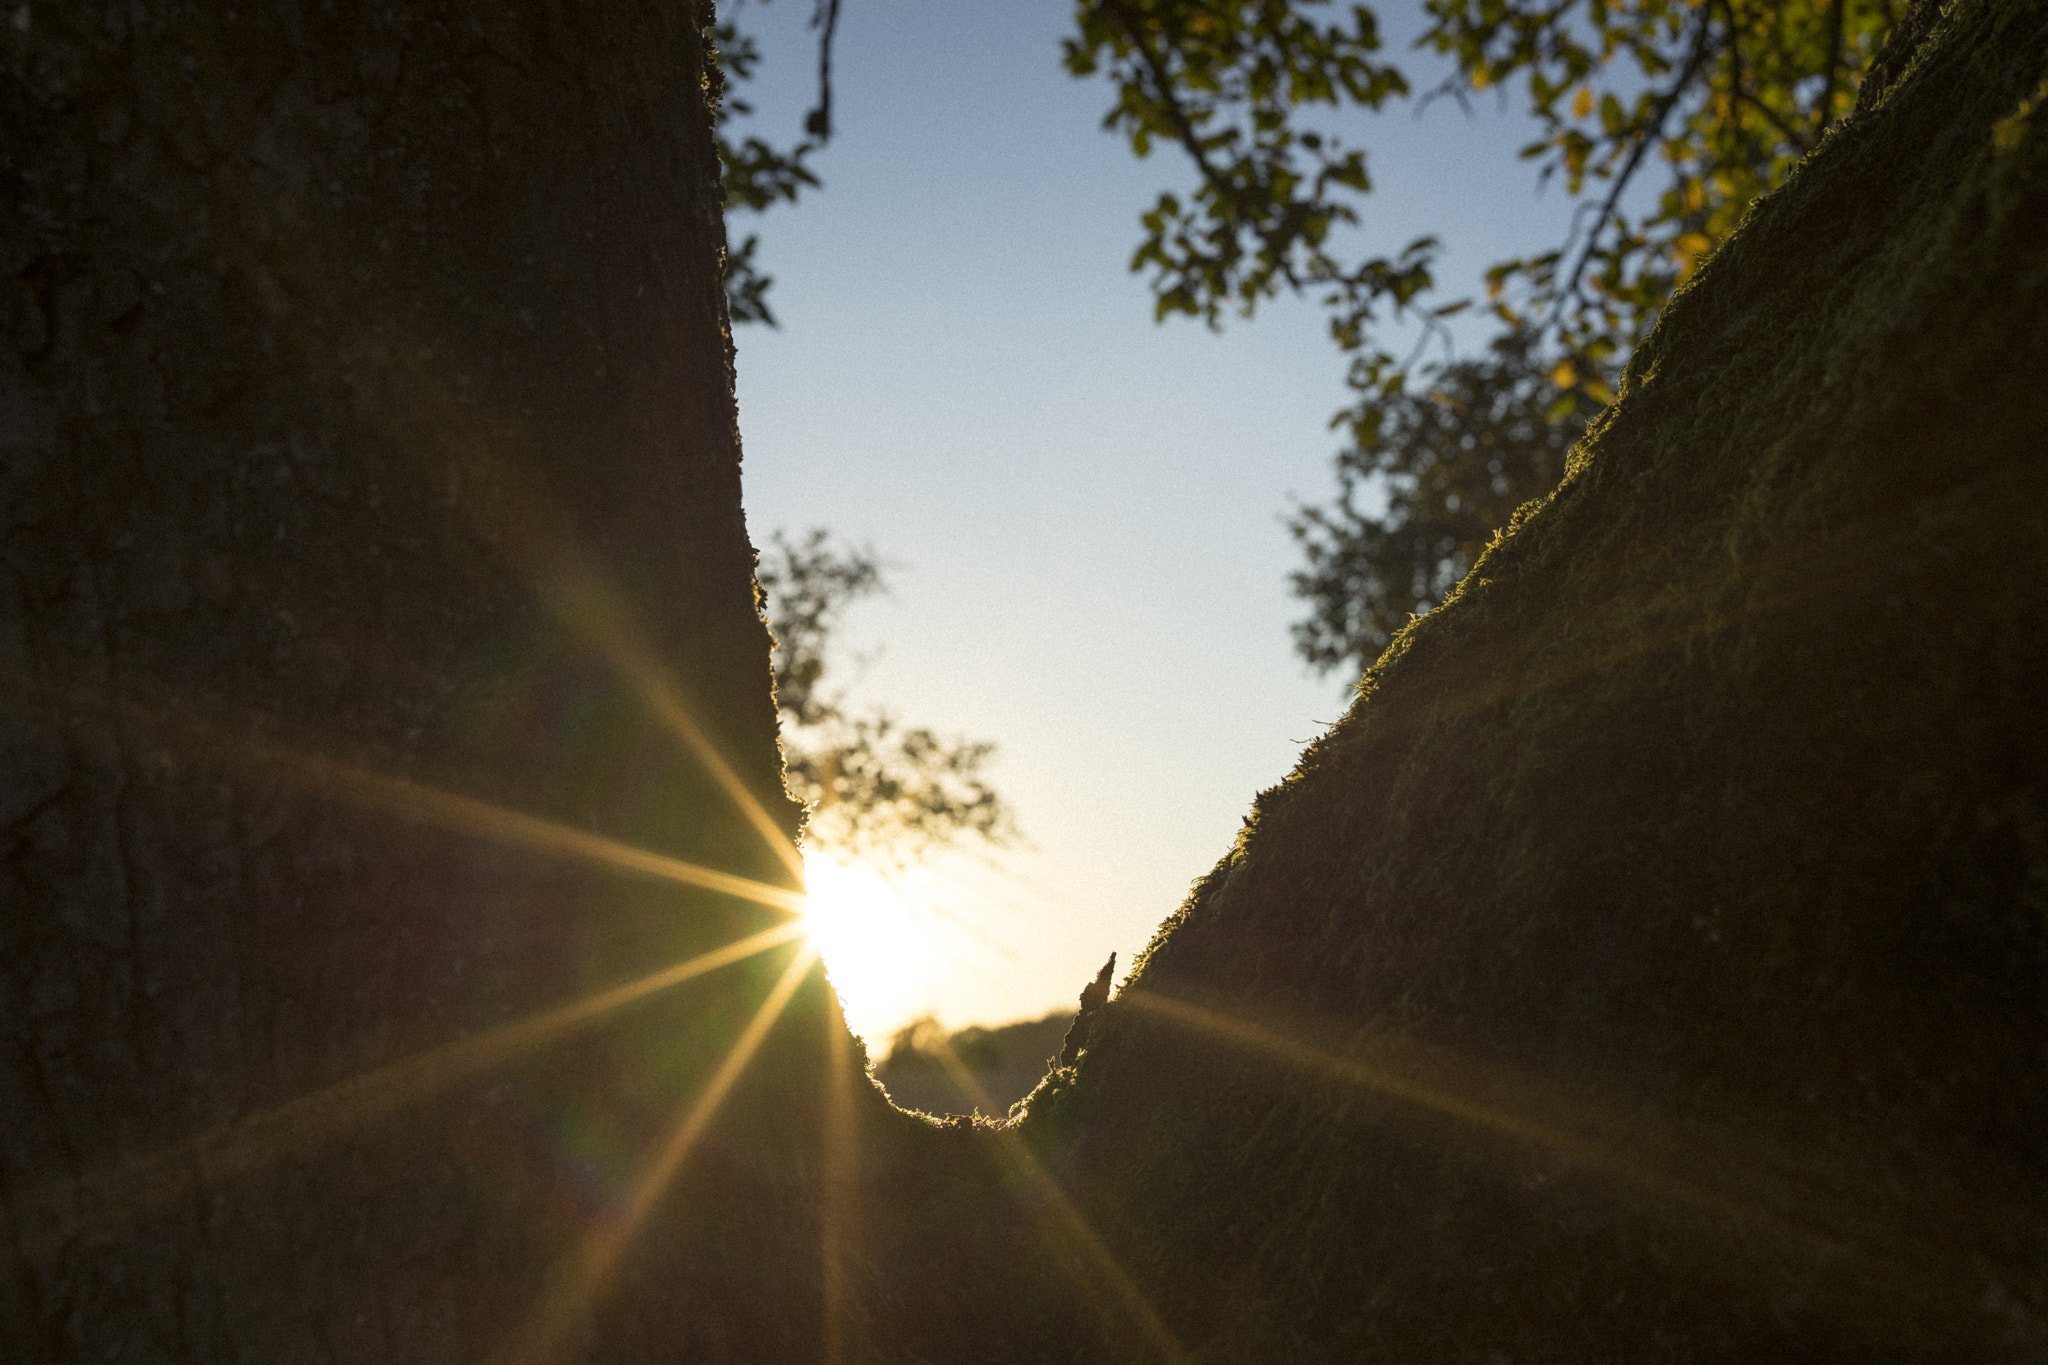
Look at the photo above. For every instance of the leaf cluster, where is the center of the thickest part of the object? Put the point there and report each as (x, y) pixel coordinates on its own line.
(876, 790)
(890, 795)
(1452, 463)
(756, 174)
(1722, 97)
(1225, 81)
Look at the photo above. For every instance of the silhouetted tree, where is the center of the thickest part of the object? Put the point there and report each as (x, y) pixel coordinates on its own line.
(1722, 97)
(757, 173)
(1422, 492)
(875, 789)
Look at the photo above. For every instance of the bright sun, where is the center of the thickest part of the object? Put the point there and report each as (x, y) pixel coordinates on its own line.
(880, 957)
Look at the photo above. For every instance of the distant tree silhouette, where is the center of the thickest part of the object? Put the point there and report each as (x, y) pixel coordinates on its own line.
(1449, 465)
(1721, 99)
(875, 789)
(1724, 98)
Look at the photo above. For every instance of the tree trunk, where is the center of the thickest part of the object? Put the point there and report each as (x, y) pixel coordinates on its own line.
(374, 585)
(1652, 965)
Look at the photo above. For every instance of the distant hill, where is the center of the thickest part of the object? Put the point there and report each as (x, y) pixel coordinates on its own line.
(1006, 1062)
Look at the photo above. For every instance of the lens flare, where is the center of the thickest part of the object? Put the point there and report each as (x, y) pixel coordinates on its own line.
(879, 950)
(841, 1166)
(109, 1197)
(1776, 1206)
(1123, 1308)
(170, 728)
(581, 1279)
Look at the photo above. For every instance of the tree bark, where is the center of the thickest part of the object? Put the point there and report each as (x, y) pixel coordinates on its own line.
(370, 470)
(1652, 965)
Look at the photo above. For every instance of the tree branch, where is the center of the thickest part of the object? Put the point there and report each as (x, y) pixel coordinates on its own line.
(818, 123)
(1777, 120)
(1739, 86)
(1650, 132)
(1190, 139)
(1823, 108)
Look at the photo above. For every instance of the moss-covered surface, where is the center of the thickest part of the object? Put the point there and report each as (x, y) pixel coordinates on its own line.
(1652, 964)
(369, 515)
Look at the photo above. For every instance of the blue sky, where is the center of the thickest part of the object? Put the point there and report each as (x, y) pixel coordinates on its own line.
(1084, 510)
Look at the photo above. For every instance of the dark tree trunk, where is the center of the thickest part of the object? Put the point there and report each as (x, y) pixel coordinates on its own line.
(1653, 963)
(369, 466)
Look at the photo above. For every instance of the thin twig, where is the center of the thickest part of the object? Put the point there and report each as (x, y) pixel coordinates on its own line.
(1191, 141)
(1739, 84)
(1823, 109)
(1651, 131)
(818, 123)
(1581, 211)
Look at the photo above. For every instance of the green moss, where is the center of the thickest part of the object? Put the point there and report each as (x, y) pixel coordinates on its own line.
(1690, 862)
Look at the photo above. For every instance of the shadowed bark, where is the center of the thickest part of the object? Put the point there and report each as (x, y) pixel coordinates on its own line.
(370, 469)
(1653, 964)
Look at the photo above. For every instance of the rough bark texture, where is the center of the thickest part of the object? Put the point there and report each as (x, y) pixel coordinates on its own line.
(1653, 964)
(365, 414)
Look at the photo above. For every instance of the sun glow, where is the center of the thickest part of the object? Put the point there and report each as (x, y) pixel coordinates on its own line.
(877, 943)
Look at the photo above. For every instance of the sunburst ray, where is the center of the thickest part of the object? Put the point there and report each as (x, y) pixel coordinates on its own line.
(1873, 1253)
(539, 538)
(1129, 1310)
(169, 729)
(841, 1166)
(580, 1279)
(119, 1193)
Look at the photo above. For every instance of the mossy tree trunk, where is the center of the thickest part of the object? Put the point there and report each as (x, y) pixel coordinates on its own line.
(1653, 963)
(369, 465)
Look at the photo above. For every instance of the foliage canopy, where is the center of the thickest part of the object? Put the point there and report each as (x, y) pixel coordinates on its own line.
(1664, 120)
(1452, 464)
(1725, 94)
(1722, 96)
(875, 789)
